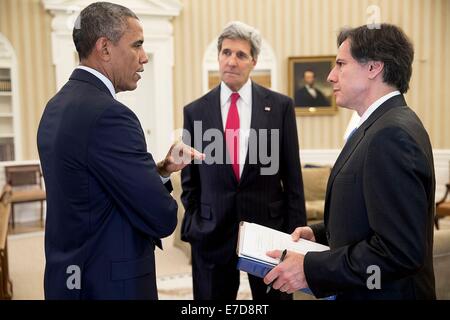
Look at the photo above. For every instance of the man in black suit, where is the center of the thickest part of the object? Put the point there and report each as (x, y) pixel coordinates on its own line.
(237, 182)
(309, 95)
(380, 197)
(107, 205)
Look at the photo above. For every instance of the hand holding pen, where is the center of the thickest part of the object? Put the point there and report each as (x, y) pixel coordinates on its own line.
(283, 255)
(290, 275)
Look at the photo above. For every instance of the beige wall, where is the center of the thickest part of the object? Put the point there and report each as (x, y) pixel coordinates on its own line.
(289, 26)
(27, 27)
(309, 27)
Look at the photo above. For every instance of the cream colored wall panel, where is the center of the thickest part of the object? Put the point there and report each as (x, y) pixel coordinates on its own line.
(444, 108)
(28, 78)
(26, 25)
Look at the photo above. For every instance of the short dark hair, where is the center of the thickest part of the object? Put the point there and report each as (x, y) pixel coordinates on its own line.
(100, 19)
(387, 44)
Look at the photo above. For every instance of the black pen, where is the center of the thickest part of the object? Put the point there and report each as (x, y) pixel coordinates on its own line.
(283, 255)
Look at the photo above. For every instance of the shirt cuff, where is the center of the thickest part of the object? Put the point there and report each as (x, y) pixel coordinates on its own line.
(165, 179)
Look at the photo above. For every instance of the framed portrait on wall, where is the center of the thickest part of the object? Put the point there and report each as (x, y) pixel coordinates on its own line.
(308, 85)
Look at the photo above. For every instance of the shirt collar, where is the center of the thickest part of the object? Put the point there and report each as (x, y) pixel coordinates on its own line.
(375, 106)
(102, 78)
(245, 93)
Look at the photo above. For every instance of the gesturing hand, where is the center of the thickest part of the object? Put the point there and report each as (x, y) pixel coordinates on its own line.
(178, 157)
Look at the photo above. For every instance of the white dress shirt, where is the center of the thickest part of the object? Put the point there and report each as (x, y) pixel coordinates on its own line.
(312, 91)
(102, 78)
(374, 106)
(244, 106)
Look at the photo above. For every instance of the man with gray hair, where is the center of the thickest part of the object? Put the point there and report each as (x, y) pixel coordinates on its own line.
(236, 187)
(108, 202)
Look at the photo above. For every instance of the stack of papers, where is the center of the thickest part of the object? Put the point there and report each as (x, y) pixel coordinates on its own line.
(255, 240)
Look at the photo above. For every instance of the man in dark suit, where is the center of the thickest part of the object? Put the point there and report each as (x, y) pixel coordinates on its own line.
(380, 197)
(235, 182)
(309, 95)
(107, 204)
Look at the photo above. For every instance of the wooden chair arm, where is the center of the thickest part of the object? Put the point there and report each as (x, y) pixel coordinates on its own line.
(6, 193)
(445, 195)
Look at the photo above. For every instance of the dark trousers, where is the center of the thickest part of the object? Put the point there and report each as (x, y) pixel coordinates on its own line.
(221, 282)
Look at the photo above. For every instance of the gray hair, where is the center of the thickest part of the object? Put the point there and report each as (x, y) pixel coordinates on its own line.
(239, 30)
(100, 19)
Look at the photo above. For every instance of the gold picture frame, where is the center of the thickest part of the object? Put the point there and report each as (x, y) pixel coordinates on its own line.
(317, 98)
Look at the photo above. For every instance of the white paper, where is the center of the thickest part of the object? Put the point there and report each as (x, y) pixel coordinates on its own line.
(255, 240)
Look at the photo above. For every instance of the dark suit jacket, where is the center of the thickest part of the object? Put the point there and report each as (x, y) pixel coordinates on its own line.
(305, 99)
(379, 211)
(214, 200)
(106, 204)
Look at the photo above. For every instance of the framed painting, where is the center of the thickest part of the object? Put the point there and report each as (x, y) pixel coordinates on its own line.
(308, 85)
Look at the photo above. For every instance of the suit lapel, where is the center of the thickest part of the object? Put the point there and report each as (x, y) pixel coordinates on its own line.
(358, 135)
(258, 121)
(213, 107)
(345, 154)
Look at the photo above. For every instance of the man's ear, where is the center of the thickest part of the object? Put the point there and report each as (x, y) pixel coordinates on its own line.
(102, 48)
(375, 68)
(255, 61)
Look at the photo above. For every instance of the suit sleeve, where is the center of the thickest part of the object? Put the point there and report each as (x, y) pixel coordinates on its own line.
(396, 177)
(290, 171)
(190, 180)
(118, 158)
(319, 233)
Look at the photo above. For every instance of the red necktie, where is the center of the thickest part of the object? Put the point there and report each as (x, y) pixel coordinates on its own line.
(232, 134)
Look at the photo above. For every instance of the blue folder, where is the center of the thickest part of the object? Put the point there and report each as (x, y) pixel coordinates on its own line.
(260, 269)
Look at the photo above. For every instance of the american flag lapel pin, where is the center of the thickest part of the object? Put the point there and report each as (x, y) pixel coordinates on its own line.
(267, 109)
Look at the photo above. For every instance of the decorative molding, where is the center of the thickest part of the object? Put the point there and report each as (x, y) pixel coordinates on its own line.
(8, 59)
(5, 49)
(163, 8)
(65, 13)
(319, 156)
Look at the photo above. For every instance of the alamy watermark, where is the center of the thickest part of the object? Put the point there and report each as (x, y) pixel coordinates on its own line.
(374, 17)
(263, 146)
(374, 280)
(73, 281)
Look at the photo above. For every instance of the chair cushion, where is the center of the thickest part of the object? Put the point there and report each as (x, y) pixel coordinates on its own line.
(315, 209)
(315, 182)
(441, 261)
(27, 195)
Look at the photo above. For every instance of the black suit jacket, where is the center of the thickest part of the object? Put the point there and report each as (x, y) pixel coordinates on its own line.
(215, 202)
(379, 212)
(106, 204)
(305, 99)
